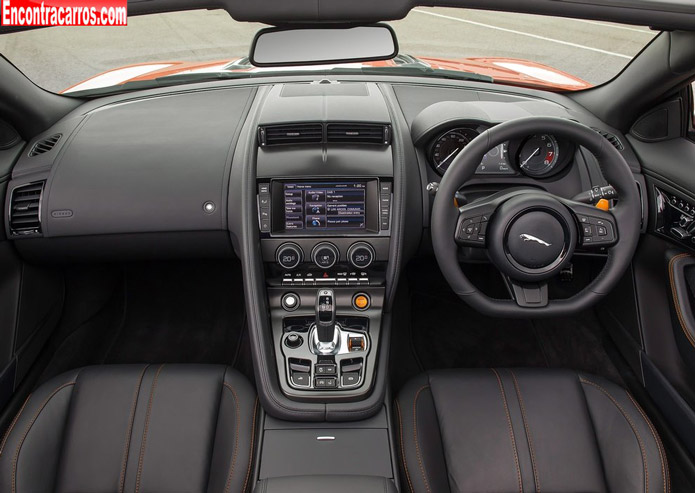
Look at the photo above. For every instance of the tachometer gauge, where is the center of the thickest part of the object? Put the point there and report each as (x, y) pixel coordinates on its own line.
(448, 145)
(538, 155)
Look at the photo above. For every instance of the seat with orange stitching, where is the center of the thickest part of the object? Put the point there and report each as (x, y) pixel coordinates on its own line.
(133, 428)
(502, 430)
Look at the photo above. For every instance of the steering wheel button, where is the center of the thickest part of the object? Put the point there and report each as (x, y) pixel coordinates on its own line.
(587, 230)
(602, 231)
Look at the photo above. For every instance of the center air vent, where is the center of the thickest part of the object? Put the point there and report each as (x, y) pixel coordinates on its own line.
(24, 209)
(44, 145)
(299, 133)
(613, 139)
(358, 133)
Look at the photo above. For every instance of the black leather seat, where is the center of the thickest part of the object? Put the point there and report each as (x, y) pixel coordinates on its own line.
(526, 431)
(133, 428)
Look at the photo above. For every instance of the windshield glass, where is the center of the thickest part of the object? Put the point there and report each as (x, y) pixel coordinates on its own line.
(176, 48)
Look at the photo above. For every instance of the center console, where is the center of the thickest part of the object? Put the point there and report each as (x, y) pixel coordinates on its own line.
(325, 245)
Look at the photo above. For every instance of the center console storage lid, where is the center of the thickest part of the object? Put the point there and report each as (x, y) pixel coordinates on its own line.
(334, 484)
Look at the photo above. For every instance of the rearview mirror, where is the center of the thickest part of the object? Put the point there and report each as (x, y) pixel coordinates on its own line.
(322, 45)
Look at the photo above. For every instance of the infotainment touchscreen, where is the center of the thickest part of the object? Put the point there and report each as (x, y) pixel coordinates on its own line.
(316, 206)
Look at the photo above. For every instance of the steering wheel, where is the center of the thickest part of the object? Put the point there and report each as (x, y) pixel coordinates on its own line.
(530, 235)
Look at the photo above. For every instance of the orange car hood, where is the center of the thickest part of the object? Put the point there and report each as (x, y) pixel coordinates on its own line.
(504, 70)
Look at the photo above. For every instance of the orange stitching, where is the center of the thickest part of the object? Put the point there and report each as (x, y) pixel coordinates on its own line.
(528, 433)
(400, 430)
(659, 445)
(417, 443)
(511, 430)
(253, 435)
(26, 433)
(144, 431)
(129, 433)
(677, 304)
(12, 425)
(632, 425)
(236, 437)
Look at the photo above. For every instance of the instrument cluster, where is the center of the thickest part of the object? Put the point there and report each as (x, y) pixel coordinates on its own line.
(537, 156)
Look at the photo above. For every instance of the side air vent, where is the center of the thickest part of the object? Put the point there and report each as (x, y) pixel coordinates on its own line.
(358, 133)
(301, 133)
(613, 139)
(44, 145)
(25, 203)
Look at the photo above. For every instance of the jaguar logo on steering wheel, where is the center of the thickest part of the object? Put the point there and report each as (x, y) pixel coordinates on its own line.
(527, 237)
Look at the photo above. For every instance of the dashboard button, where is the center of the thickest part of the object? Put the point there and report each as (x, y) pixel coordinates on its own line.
(325, 255)
(360, 301)
(361, 255)
(300, 379)
(289, 255)
(290, 302)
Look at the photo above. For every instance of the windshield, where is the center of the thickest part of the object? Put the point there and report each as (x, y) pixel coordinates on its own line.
(176, 48)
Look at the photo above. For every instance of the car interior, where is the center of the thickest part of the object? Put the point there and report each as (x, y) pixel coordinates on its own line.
(339, 268)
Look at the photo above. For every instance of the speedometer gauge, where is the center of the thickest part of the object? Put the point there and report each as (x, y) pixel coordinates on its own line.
(448, 145)
(538, 155)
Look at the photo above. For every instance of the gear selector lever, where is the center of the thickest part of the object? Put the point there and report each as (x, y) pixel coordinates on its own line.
(327, 334)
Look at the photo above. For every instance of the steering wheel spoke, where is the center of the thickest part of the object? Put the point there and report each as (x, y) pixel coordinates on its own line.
(597, 228)
(528, 294)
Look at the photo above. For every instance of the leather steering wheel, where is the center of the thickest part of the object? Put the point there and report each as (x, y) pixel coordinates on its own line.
(530, 235)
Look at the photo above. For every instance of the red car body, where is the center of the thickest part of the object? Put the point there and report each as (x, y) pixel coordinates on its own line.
(503, 70)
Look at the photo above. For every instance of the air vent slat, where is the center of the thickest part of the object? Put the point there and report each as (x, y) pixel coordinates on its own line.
(291, 134)
(613, 139)
(44, 145)
(25, 215)
(358, 133)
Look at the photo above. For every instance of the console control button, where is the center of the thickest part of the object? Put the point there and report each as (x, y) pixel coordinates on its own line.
(289, 255)
(361, 301)
(325, 255)
(300, 379)
(293, 341)
(361, 255)
(290, 302)
(350, 379)
(356, 343)
(325, 369)
(326, 382)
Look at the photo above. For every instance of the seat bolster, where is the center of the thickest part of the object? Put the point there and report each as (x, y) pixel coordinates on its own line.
(34, 439)
(231, 469)
(419, 440)
(627, 439)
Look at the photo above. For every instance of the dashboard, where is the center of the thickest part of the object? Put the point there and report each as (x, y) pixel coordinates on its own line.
(329, 159)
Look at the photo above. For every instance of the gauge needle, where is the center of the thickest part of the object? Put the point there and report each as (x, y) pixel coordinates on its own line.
(529, 158)
(451, 154)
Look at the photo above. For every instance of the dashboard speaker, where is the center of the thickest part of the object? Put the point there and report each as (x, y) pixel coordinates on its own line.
(8, 136)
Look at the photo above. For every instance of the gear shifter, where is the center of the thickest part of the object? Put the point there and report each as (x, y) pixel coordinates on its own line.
(327, 334)
(325, 315)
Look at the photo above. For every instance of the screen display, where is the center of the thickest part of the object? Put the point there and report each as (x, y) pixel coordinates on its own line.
(316, 206)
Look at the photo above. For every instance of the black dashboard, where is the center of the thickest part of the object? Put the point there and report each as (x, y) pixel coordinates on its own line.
(161, 162)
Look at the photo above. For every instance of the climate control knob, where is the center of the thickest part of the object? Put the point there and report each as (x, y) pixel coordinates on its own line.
(289, 255)
(361, 255)
(325, 255)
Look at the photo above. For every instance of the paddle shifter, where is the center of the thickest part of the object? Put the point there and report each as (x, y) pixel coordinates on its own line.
(327, 334)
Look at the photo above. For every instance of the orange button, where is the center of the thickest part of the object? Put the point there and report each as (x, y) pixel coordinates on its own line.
(361, 302)
(603, 204)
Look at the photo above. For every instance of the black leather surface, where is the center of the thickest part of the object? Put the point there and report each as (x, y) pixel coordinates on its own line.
(133, 428)
(332, 484)
(527, 431)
